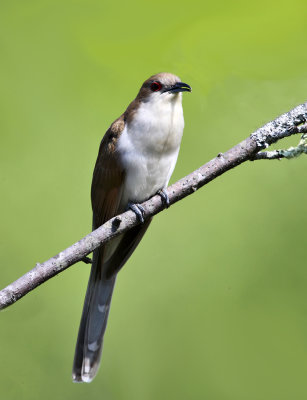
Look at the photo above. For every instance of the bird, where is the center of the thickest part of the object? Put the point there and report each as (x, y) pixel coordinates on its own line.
(136, 159)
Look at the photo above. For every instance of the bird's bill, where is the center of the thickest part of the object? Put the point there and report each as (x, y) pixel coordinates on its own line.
(178, 87)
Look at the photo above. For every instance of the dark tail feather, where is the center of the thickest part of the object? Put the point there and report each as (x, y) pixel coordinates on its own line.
(93, 324)
(98, 299)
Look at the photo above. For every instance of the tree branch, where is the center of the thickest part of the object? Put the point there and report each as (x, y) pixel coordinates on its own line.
(291, 152)
(283, 126)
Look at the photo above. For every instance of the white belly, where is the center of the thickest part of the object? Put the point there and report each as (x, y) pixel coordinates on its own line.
(149, 148)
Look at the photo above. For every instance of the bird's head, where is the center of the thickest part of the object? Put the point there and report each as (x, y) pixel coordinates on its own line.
(162, 87)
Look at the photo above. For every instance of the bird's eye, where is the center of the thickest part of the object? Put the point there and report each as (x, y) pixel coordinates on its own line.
(155, 86)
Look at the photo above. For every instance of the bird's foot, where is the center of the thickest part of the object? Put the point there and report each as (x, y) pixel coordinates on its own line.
(138, 210)
(164, 197)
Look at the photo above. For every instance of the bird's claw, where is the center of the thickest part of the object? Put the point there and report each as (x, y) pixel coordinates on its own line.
(164, 197)
(138, 210)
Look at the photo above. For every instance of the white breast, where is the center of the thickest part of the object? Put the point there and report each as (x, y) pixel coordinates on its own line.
(149, 146)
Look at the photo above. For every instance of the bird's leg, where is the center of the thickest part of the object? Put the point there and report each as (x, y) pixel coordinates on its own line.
(138, 210)
(164, 197)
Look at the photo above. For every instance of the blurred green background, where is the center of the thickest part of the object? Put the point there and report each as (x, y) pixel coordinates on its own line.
(213, 304)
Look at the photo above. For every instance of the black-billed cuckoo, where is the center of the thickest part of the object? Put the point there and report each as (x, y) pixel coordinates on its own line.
(136, 159)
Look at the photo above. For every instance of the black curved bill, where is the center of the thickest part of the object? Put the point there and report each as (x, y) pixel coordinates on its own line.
(178, 87)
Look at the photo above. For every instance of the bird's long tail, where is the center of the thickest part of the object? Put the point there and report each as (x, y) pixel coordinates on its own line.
(93, 323)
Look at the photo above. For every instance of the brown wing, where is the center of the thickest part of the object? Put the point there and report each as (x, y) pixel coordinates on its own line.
(108, 177)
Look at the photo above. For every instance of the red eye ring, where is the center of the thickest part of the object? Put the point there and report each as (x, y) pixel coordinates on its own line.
(155, 86)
